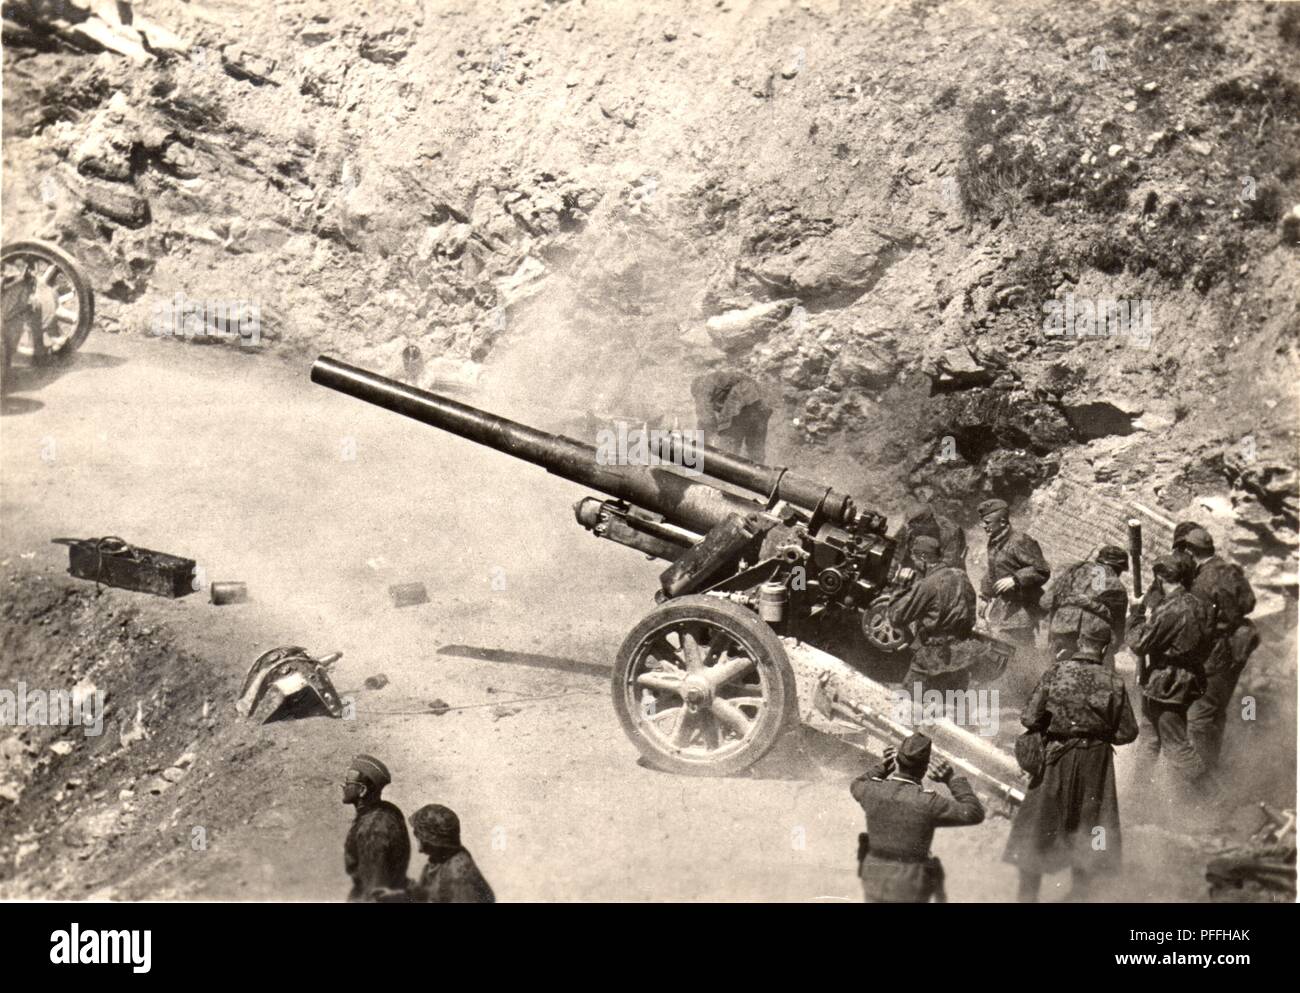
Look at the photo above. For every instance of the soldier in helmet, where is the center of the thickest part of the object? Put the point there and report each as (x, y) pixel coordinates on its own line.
(1176, 548)
(1070, 815)
(450, 875)
(731, 411)
(940, 609)
(923, 521)
(377, 848)
(1085, 596)
(1173, 640)
(895, 863)
(1226, 598)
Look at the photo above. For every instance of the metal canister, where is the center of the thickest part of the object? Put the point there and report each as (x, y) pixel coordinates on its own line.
(231, 592)
(772, 598)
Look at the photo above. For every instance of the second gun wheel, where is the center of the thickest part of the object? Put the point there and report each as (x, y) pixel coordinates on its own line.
(703, 687)
(49, 306)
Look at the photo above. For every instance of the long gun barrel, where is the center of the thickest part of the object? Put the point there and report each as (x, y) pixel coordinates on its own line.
(694, 506)
(772, 482)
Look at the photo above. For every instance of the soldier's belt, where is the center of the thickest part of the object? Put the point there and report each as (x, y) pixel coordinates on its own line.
(893, 857)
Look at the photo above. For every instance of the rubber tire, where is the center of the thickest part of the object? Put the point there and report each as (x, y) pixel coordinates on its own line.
(85, 294)
(744, 625)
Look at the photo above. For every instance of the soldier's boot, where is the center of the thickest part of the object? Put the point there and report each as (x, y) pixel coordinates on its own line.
(1080, 884)
(1030, 883)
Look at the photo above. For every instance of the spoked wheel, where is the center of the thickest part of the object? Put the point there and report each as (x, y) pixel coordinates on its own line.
(703, 687)
(49, 306)
(880, 631)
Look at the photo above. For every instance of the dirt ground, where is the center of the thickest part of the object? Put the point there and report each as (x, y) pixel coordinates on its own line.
(572, 208)
(245, 456)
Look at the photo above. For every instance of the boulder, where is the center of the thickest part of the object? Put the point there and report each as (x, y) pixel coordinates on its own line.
(742, 329)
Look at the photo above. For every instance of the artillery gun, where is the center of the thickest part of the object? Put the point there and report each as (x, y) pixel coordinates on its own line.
(703, 684)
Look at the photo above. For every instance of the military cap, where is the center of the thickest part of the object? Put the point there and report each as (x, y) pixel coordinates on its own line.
(434, 824)
(926, 546)
(914, 752)
(988, 507)
(1113, 556)
(1180, 532)
(1198, 539)
(371, 770)
(1171, 567)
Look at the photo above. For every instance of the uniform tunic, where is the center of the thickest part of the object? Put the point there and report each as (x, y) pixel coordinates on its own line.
(1173, 640)
(453, 880)
(376, 851)
(901, 818)
(1088, 599)
(1227, 597)
(1083, 709)
(1017, 555)
(942, 608)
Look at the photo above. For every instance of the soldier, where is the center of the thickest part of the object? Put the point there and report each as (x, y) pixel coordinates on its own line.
(1172, 639)
(377, 849)
(922, 520)
(1013, 584)
(450, 875)
(412, 362)
(1181, 530)
(1226, 597)
(1087, 595)
(895, 864)
(1070, 815)
(730, 410)
(941, 610)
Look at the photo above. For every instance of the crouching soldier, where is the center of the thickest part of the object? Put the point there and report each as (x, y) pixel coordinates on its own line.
(731, 411)
(922, 520)
(451, 875)
(1085, 597)
(895, 863)
(1070, 815)
(377, 848)
(940, 608)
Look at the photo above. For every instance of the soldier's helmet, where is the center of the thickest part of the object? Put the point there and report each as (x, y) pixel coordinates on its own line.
(1174, 568)
(436, 825)
(1198, 540)
(1113, 556)
(925, 549)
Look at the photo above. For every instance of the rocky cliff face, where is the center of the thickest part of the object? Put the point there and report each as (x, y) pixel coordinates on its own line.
(909, 220)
